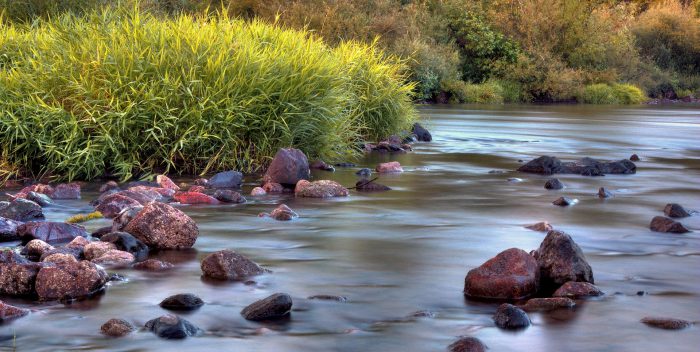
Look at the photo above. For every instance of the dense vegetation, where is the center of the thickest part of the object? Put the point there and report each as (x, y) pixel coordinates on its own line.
(127, 92)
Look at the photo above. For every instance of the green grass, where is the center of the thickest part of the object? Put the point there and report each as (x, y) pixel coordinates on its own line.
(602, 93)
(131, 94)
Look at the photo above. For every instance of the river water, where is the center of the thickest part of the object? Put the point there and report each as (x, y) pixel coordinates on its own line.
(406, 250)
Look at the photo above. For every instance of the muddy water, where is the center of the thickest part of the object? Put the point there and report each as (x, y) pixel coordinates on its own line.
(398, 252)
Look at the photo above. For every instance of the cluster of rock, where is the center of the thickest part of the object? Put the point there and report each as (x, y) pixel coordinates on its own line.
(666, 223)
(549, 165)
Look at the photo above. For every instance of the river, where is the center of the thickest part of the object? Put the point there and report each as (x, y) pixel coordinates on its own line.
(409, 249)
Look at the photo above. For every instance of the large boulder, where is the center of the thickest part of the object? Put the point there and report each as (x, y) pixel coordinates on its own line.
(69, 280)
(8, 229)
(561, 260)
(273, 307)
(512, 274)
(288, 167)
(161, 226)
(664, 224)
(226, 179)
(21, 209)
(320, 189)
(171, 326)
(111, 205)
(421, 133)
(50, 232)
(229, 265)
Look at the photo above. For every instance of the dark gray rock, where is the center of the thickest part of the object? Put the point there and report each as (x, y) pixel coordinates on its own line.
(364, 172)
(421, 133)
(183, 301)
(21, 210)
(128, 243)
(229, 265)
(553, 183)
(274, 307)
(50, 232)
(634, 157)
(603, 193)
(172, 327)
(229, 196)
(664, 224)
(370, 186)
(287, 168)
(673, 210)
(509, 316)
(564, 201)
(549, 165)
(40, 198)
(226, 179)
(561, 260)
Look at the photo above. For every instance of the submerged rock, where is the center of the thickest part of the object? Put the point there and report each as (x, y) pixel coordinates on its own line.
(283, 213)
(603, 193)
(548, 165)
(126, 242)
(171, 326)
(40, 198)
(8, 229)
(114, 257)
(288, 167)
(390, 167)
(117, 328)
(634, 157)
(512, 274)
(194, 198)
(553, 183)
(467, 344)
(258, 191)
(226, 179)
(161, 226)
(153, 265)
(561, 260)
(229, 265)
(182, 301)
(542, 226)
(364, 172)
(563, 201)
(321, 165)
(229, 196)
(370, 186)
(50, 232)
(545, 304)
(320, 189)
(66, 191)
(111, 205)
(329, 298)
(573, 289)
(21, 209)
(673, 210)
(421, 133)
(666, 323)
(273, 307)
(9, 312)
(69, 280)
(664, 224)
(509, 316)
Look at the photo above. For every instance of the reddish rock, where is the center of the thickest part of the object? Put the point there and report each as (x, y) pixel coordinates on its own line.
(17, 279)
(194, 198)
(59, 258)
(8, 312)
(673, 210)
(78, 242)
(229, 265)
(273, 188)
(276, 306)
(95, 250)
(69, 280)
(163, 192)
(540, 226)
(666, 323)
(199, 189)
(258, 191)
(512, 274)
(573, 289)
(283, 213)
(161, 226)
(21, 210)
(664, 224)
(117, 328)
(165, 182)
(114, 258)
(153, 265)
(36, 248)
(288, 167)
(38, 188)
(561, 260)
(114, 204)
(467, 344)
(390, 167)
(229, 196)
(109, 186)
(320, 189)
(50, 232)
(545, 304)
(321, 165)
(66, 191)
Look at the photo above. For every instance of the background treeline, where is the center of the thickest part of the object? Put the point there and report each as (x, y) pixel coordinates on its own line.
(488, 51)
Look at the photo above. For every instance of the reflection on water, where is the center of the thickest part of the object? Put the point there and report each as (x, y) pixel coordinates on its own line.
(394, 253)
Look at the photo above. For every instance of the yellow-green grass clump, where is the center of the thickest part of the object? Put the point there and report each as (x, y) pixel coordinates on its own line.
(75, 219)
(130, 93)
(602, 93)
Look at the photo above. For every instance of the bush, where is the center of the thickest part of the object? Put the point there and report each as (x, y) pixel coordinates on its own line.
(602, 93)
(129, 93)
(484, 93)
(26, 10)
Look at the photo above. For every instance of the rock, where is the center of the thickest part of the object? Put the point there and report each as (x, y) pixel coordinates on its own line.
(553, 183)
(634, 157)
(545, 165)
(142, 195)
(121, 220)
(603, 193)
(194, 198)
(18, 279)
(274, 307)
(36, 248)
(69, 280)
(561, 260)
(40, 198)
(467, 344)
(329, 298)
(320, 165)
(59, 258)
(21, 210)
(50, 232)
(153, 265)
(666, 323)
(542, 226)
(161, 226)
(573, 289)
(364, 172)
(94, 250)
(113, 204)
(126, 242)
(673, 210)
(38, 188)
(8, 312)
(390, 167)
(370, 186)
(226, 179)
(229, 265)
(161, 194)
(421, 133)
(201, 182)
(548, 165)
(423, 314)
(320, 189)
(114, 257)
(545, 304)
(8, 229)
(563, 201)
(258, 191)
(199, 189)
(109, 186)
(172, 327)
(183, 301)
(165, 182)
(288, 167)
(512, 274)
(229, 196)
(78, 242)
(283, 213)
(117, 328)
(101, 232)
(273, 188)
(66, 191)
(76, 253)
(509, 316)
(664, 224)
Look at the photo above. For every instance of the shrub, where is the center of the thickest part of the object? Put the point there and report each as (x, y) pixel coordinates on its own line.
(129, 93)
(484, 93)
(602, 93)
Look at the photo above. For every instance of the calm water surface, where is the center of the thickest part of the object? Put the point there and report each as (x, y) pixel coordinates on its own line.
(398, 252)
